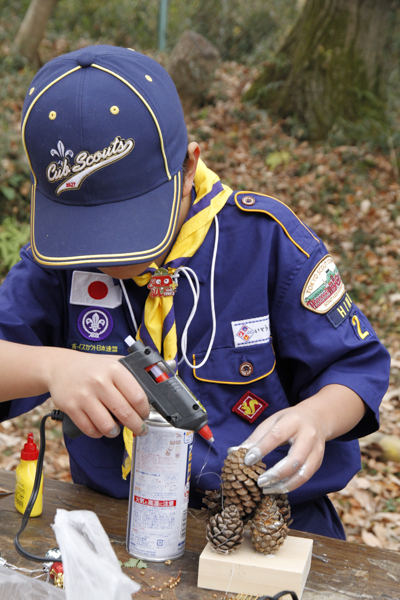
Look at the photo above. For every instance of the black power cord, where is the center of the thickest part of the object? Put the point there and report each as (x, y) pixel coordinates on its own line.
(56, 415)
(279, 595)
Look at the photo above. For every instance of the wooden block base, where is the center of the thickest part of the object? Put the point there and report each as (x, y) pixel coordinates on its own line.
(249, 572)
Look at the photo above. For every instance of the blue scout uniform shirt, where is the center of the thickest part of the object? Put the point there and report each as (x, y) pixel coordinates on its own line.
(272, 347)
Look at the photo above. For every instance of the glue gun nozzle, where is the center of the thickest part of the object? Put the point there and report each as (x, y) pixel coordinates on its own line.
(206, 433)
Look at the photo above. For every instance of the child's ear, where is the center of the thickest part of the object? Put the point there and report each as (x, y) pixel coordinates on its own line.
(193, 158)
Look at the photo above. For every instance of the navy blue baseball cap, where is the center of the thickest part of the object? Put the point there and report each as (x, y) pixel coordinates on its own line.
(105, 137)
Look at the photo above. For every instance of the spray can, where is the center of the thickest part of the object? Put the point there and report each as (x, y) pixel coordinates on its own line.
(24, 478)
(159, 491)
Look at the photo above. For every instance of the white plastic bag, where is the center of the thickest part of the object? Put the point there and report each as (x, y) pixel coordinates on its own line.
(15, 586)
(91, 568)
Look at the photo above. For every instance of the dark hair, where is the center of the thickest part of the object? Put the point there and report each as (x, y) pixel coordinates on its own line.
(184, 166)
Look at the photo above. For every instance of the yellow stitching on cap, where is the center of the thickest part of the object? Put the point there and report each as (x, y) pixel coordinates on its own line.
(31, 91)
(99, 259)
(52, 115)
(148, 108)
(29, 111)
(148, 78)
(126, 257)
(114, 110)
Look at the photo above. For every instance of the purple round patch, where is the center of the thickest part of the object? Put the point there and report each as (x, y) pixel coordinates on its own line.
(95, 323)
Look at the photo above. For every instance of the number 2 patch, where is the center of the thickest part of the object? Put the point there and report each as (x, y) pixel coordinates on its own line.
(359, 329)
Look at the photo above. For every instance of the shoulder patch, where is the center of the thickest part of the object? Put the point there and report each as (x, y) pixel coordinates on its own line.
(297, 232)
(323, 288)
(341, 311)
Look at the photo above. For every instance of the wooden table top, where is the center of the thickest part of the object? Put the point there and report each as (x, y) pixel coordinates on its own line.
(339, 570)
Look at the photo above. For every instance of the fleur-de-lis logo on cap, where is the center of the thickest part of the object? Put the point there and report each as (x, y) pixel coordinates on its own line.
(61, 152)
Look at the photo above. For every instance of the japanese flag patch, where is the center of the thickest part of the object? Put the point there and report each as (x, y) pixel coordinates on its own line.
(94, 289)
(323, 288)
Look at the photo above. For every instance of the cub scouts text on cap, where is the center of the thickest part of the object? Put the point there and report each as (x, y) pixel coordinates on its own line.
(85, 164)
(106, 139)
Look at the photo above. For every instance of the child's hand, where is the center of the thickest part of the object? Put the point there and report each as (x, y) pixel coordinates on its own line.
(88, 387)
(307, 439)
(333, 411)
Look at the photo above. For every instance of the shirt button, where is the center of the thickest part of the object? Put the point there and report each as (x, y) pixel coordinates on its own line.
(246, 369)
(248, 200)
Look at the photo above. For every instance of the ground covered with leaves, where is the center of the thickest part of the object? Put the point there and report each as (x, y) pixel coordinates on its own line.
(350, 196)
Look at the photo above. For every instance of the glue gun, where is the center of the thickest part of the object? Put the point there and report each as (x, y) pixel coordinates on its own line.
(165, 391)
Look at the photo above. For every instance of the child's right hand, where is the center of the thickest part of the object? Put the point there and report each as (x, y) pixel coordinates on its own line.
(88, 387)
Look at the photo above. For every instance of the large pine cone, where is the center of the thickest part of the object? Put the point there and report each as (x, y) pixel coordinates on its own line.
(225, 530)
(240, 482)
(268, 526)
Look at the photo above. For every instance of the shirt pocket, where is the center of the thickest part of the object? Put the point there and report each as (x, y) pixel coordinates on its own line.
(236, 366)
(222, 385)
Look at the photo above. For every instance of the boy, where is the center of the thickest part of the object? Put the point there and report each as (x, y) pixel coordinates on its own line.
(276, 351)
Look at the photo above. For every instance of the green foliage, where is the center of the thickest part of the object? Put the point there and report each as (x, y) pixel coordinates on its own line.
(392, 505)
(230, 25)
(270, 81)
(134, 562)
(123, 23)
(15, 76)
(275, 159)
(295, 127)
(13, 235)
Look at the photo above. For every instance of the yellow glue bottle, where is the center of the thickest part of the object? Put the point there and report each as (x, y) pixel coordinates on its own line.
(24, 478)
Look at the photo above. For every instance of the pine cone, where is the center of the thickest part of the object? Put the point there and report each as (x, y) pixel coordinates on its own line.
(225, 530)
(284, 507)
(213, 501)
(240, 482)
(268, 527)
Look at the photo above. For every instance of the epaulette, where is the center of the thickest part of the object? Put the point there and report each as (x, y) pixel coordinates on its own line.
(297, 232)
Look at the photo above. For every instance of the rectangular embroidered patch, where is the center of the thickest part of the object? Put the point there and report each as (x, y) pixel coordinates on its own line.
(251, 331)
(341, 311)
(94, 289)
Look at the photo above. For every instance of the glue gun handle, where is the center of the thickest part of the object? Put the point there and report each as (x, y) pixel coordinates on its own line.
(69, 428)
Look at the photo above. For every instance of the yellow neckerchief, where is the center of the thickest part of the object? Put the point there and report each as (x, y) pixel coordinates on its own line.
(158, 328)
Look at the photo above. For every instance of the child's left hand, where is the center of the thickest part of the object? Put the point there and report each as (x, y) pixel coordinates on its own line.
(333, 411)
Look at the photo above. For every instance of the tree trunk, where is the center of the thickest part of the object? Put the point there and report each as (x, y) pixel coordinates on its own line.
(191, 66)
(330, 66)
(32, 28)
